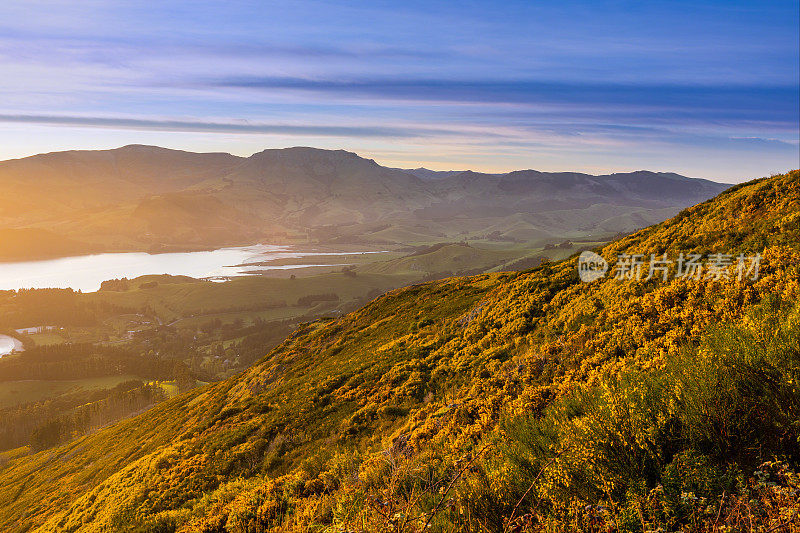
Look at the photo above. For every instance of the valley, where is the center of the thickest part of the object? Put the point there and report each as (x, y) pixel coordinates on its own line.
(399, 267)
(186, 331)
(434, 326)
(319, 383)
(126, 298)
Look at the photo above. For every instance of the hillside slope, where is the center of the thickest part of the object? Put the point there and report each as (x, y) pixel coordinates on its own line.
(141, 197)
(367, 422)
(448, 259)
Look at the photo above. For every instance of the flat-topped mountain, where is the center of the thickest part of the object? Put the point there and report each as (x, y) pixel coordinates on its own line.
(137, 197)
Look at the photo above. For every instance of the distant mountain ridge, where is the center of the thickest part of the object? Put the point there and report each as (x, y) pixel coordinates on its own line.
(428, 174)
(139, 197)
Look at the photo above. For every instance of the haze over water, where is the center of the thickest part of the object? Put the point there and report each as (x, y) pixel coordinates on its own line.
(8, 345)
(87, 272)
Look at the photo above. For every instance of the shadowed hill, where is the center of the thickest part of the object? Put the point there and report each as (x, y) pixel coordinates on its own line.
(533, 191)
(329, 427)
(30, 243)
(126, 198)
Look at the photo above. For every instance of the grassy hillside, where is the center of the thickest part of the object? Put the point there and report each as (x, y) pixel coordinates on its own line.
(516, 401)
(448, 258)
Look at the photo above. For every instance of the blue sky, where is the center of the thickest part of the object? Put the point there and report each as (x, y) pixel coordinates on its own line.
(707, 89)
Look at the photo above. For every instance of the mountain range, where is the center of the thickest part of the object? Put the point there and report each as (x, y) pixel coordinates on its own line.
(469, 403)
(148, 198)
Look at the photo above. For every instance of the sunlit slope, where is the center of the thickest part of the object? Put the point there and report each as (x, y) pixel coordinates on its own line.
(146, 197)
(426, 368)
(289, 393)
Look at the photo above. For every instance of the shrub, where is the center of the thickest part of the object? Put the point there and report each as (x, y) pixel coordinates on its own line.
(737, 394)
(663, 442)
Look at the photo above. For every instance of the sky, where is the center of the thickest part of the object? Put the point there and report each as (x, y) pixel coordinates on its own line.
(704, 88)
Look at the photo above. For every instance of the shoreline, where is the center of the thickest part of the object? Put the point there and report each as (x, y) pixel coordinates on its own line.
(86, 273)
(16, 345)
(188, 248)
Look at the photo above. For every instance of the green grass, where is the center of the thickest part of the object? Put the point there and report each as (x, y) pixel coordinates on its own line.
(335, 259)
(170, 388)
(19, 392)
(449, 258)
(253, 293)
(46, 339)
(280, 313)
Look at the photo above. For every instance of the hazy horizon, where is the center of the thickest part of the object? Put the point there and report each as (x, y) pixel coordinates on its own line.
(433, 167)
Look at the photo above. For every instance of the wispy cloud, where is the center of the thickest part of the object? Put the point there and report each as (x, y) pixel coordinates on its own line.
(226, 127)
(765, 101)
(712, 85)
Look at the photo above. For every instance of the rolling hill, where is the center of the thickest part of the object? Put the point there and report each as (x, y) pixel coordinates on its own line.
(33, 243)
(449, 259)
(513, 401)
(146, 197)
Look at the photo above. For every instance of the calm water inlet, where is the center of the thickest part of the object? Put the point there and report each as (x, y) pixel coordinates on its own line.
(87, 272)
(8, 345)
